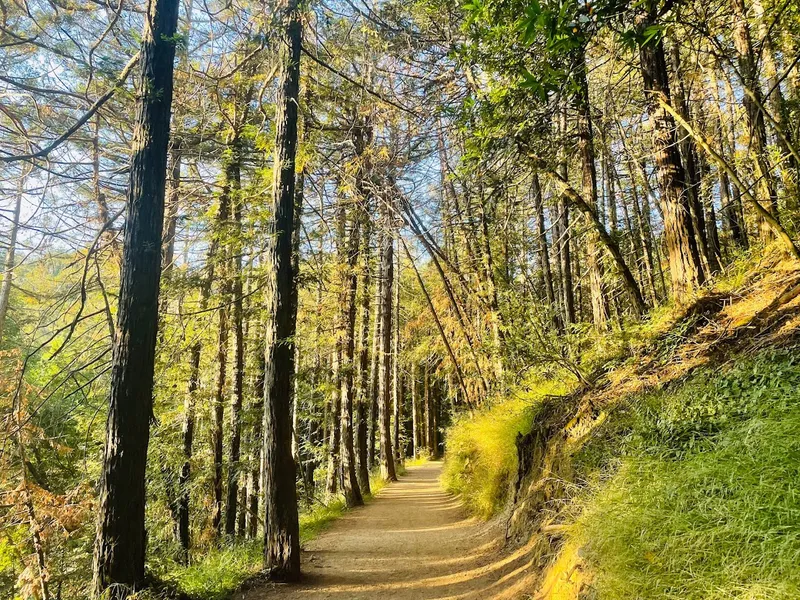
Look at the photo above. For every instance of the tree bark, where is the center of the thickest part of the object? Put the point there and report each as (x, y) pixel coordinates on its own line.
(600, 311)
(223, 336)
(415, 420)
(645, 235)
(544, 251)
(748, 70)
(348, 256)
(777, 104)
(426, 410)
(335, 431)
(282, 533)
(375, 365)
(170, 221)
(563, 246)
(385, 350)
(691, 168)
(8, 266)
(254, 487)
(397, 381)
(234, 450)
(685, 266)
(769, 220)
(120, 544)
(363, 382)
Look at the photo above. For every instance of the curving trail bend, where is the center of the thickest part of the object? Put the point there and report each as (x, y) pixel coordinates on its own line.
(413, 542)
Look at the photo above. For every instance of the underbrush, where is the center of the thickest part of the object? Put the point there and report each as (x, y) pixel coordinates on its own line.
(218, 572)
(481, 458)
(692, 491)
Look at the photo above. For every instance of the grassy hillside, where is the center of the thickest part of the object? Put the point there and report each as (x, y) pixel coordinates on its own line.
(692, 491)
(481, 449)
(675, 474)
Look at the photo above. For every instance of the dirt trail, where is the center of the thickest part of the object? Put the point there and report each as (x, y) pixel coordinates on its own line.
(414, 541)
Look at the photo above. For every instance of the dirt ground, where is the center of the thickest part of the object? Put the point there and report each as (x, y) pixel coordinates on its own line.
(414, 541)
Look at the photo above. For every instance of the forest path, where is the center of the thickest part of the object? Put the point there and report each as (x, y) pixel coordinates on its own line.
(413, 541)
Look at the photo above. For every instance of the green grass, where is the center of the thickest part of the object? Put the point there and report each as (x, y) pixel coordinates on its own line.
(416, 461)
(702, 502)
(317, 519)
(219, 572)
(481, 457)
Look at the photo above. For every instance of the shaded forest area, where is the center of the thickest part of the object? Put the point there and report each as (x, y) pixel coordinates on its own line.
(257, 256)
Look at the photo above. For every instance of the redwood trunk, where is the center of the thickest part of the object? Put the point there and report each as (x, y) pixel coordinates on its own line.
(234, 454)
(282, 532)
(684, 261)
(121, 540)
(599, 298)
(384, 352)
(362, 385)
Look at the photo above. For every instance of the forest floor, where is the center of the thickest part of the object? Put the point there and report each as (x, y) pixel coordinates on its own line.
(414, 541)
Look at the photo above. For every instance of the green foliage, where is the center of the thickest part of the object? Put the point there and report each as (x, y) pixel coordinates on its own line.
(218, 572)
(318, 518)
(481, 449)
(702, 501)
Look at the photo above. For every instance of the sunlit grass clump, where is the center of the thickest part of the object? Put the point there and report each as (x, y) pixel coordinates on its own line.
(218, 572)
(481, 458)
(703, 501)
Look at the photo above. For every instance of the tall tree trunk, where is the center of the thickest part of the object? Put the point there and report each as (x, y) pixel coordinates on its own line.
(120, 544)
(187, 434)
(778, 107)
(348, 257)
(9, 263)
(684, 260)
(26, 499)
(190, 401)
(254, 479)
(730, 200)
(299, 199)
(415, 420)
(644, 232)
(430, 416)
(435, 407)
(171, 220)
(385, 349)
(426, 409)
(563, 245)
(223, 336)
(568, 193)
(763, 214)
(748, 70)
(589, 183)
(544, 251)
(691, 168)
(335, 431)
(374, 370)
(397, 381)
(606, 164)
(489, 285)
(234, 450)
(363, 382)
(282, 532)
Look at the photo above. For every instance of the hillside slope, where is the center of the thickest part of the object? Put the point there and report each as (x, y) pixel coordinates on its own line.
(672, 474)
